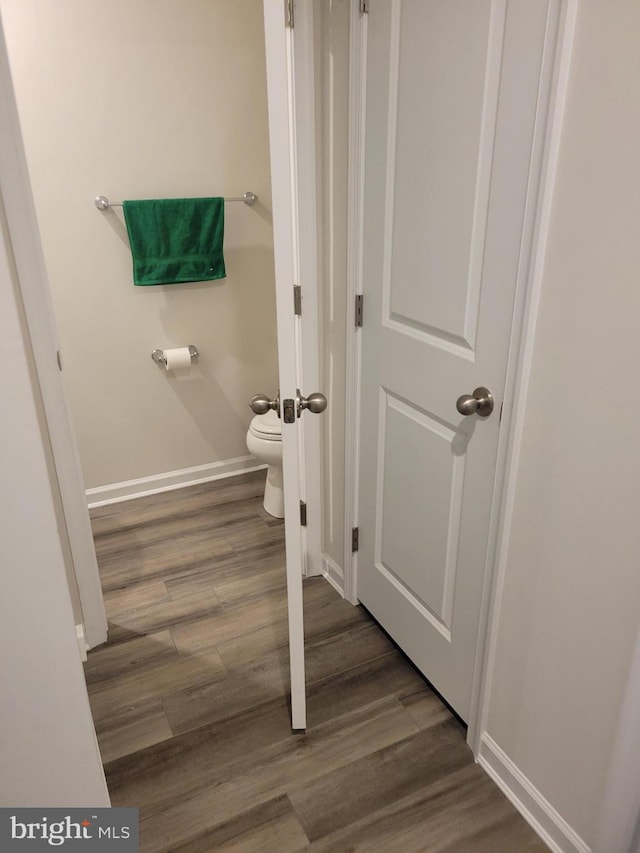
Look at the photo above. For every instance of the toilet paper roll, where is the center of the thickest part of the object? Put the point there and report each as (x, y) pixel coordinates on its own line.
(177, 357)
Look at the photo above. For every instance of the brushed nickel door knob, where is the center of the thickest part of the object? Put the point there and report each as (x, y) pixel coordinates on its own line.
(261, 404)
(315, 402)
(479, 403)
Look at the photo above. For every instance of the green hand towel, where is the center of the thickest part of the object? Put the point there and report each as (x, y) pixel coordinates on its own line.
(176, 239)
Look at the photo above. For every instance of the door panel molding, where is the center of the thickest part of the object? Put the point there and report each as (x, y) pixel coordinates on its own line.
(461, 341)
(412, 497)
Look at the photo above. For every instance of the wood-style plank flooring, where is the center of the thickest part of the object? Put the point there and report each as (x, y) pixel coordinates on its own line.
(189, 699)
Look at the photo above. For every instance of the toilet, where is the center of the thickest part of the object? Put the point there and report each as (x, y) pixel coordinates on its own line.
(264, 441)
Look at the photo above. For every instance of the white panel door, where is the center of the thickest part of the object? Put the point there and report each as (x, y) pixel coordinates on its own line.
(451, 101)
(288, 130)
(279, 58)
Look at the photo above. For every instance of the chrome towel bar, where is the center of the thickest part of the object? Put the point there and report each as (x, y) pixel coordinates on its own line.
(103, 203)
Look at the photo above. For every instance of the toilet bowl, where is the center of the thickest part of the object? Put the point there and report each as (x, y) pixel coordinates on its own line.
(264, 441)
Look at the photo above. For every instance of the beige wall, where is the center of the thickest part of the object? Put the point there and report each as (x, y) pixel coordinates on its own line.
(570, 610)
(138, 100)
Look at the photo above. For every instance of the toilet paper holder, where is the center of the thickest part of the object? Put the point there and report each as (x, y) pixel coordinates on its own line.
(158, 355)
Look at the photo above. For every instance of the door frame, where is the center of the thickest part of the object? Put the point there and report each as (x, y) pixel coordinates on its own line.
(305, 200)
(553, 89)
(31, 272)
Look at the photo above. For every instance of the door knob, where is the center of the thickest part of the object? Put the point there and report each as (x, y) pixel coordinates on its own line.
(261, 404)
(481, 403)
(315, 402)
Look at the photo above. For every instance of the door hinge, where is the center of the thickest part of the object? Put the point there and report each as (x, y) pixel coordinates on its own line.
(359, 300)
(303, 514)
(355, 539)
(59, 359)
(288, 12)
(297, 299)
(364, 7)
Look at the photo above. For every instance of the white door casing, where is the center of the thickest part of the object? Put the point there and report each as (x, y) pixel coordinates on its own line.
(27, 256)
(451, 109)
(303, 132)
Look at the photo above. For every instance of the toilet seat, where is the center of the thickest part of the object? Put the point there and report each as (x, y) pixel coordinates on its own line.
(266, 427)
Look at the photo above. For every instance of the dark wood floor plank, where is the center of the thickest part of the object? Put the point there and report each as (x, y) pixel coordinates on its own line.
(190, 699)
(329, 656)
(133, 728)
(271, 826)
(231, 575)
(163, 559)
(133, 595)
(364, 786)
(113, 662)
(185, 515)
(253, 584)
(170, 772)
(254, 533)
(389, 675)
(499, 835)
(456, 813)
(136, 539)
(203, 578)
(226, 623)
(178, 612)
(324, 616)
(265, 610)
(424, 708)
(199, 498)
(270, 773)
(156, 679)
(257, 684)
(337, 627)
(266, 676)
(178, 559)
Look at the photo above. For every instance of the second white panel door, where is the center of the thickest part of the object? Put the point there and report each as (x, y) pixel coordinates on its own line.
(451, 111)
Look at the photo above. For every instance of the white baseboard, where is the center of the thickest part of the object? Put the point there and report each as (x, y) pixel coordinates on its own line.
(536, 810)
(332, 572)
(126, 491)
